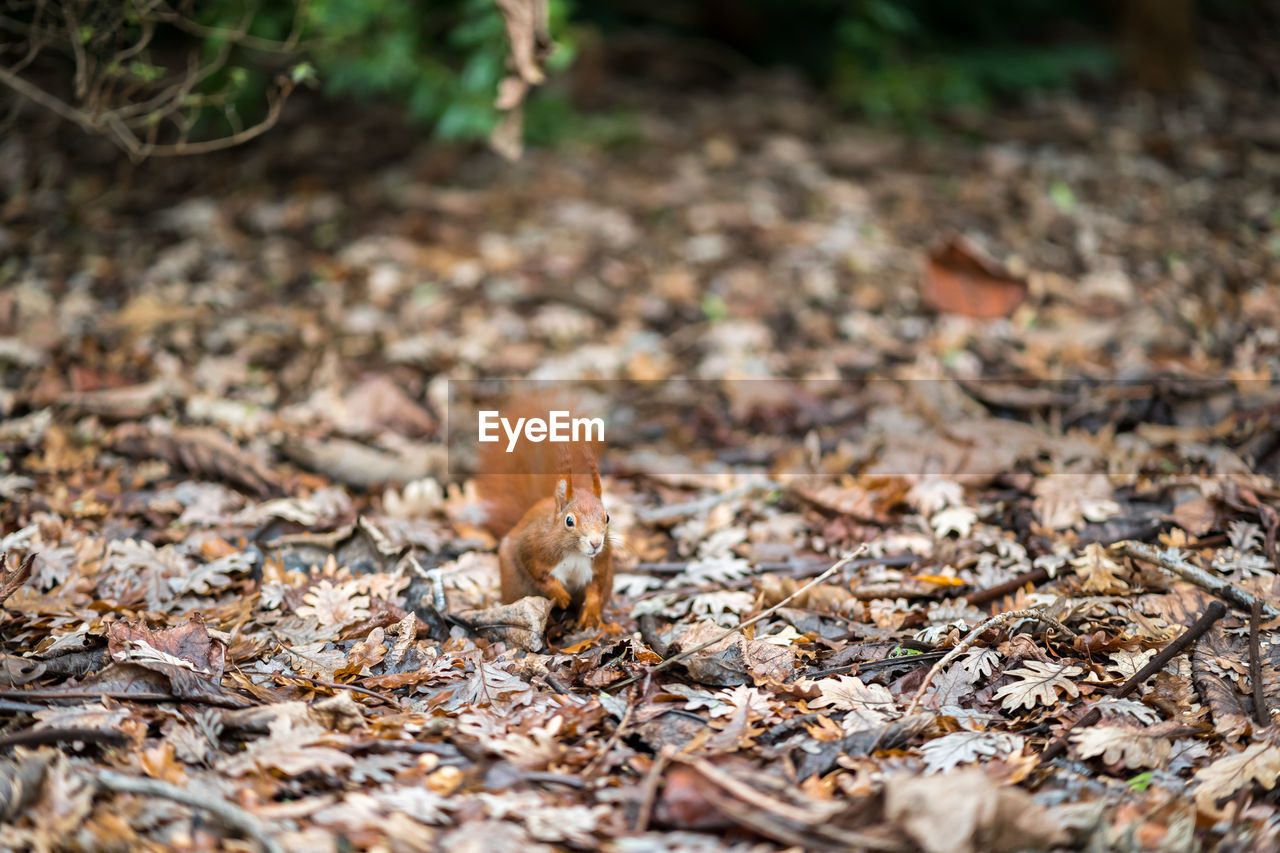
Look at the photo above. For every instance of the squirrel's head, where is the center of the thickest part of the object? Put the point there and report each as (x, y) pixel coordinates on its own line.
(581, 515)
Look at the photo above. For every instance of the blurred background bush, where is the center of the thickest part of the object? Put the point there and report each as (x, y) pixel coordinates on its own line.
(904, 61)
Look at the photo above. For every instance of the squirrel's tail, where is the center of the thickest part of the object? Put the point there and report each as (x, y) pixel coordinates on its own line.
(508, 483)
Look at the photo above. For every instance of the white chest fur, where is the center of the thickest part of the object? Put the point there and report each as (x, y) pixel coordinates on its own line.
(573, 570)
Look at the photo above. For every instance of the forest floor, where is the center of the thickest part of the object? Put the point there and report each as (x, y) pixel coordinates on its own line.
(224, 390)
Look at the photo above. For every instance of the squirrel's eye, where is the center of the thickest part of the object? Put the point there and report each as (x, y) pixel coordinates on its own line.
(568, 521)
(606, 518)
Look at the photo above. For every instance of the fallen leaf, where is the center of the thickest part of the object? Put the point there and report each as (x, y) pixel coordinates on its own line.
(956, 748)
(1124, 746)
(868, 705)
(961, 278)
(1037, 684)
(1259, 763)
(964, 811)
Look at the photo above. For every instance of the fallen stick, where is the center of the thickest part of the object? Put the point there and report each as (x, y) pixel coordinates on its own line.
(792, 568)
(763, 614)
(985, 596)
(652, 781)
(815, 819)
(1215, 611)
(337, 685)
(1220, 587)
(1260, 715)
(972, 637)
(33, 737)
(230, 814)
(786, 570)
(703, 504)
(226, 700)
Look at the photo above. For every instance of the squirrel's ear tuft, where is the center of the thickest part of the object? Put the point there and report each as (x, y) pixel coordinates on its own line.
(564, 491)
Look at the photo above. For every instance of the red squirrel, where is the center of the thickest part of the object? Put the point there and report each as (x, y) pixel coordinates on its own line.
(544, 503)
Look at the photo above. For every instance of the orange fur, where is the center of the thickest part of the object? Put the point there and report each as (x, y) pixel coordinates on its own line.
(528, 495)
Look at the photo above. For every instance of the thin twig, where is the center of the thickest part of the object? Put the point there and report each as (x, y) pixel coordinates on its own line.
(230, 814)
(764, 614)
(1212, 613)
(240, 35)
(32, 737)
(652, 781)
(794, 568)
(1260, 715)
(701, 505)
(972, 637)
(814, 820)
(543, 778)
(56, 105)
(228, 700)
(599, 761)
(111, 125)
(752, 797)
(1220, 587)
(979, 597)
(1215, 611)
(338, 685)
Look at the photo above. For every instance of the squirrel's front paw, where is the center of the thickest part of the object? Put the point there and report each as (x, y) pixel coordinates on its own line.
(590, 617)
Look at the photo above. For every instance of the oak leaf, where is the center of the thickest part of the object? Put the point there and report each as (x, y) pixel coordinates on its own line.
(869, 705)
(1038, 684)
(1097, 571)
(1122, 745)
(1259, 763)
(967, 747)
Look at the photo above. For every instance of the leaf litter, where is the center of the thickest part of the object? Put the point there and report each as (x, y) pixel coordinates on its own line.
(236, 564)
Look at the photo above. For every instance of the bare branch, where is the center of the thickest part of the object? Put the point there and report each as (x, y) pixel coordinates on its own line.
(144, 114)
(77, 50)
(240, 35)
(35, 94)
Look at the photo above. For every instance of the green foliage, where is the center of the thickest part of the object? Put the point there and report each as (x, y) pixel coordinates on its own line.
(905, 59)
(891, 59)
(1140, 782)
(1062, 196)
(442, 60)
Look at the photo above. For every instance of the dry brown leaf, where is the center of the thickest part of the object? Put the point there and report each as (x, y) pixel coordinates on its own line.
(1215, 654)
(291, 747)
(1097, 571)
(848, 499)
(358, 464)
(964, 811)
(1037, 684)
(1064, 501)
(522, 623)
(1122, 745)
(529, 42)
(200, 450)
(868, 705)
(1197, 516)
(1259, 763)
(334, 605)
(961, 278)
(189, 659)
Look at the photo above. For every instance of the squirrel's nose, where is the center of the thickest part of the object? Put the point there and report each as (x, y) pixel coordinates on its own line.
(595, 543)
